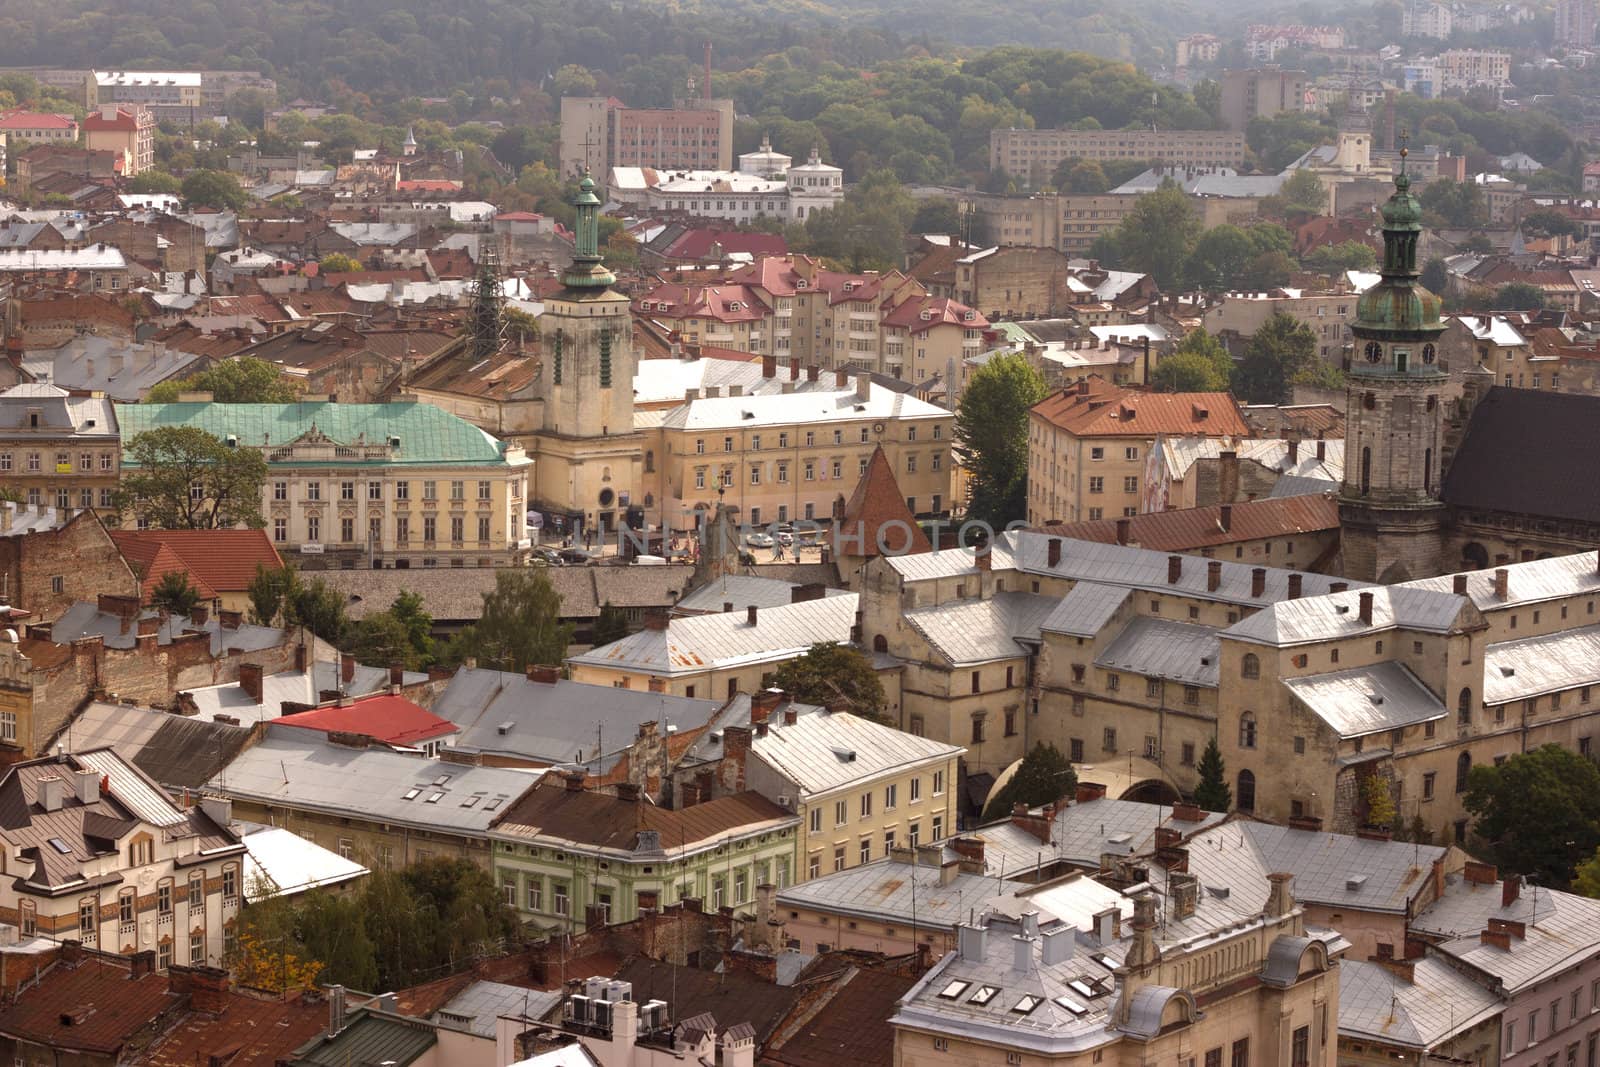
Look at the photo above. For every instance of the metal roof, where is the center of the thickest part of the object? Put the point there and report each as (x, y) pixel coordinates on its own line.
(1560, 930)
(707, 642)
(1085, 610)
(1181, 651)
(1526, 583)
(743, 590)
(1338, 615)
(981, 631)
(134, 790)
(1375, 1004)
(1534, 666)
(178, 751)
(279, 862)
(370, 1039)
(820, 753)
(809, 407)
(483, 1002)
(1368, 700)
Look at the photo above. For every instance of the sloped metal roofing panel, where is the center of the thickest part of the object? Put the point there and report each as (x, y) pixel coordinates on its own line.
(1368, 700)
(1533, 666)
(1181, 651)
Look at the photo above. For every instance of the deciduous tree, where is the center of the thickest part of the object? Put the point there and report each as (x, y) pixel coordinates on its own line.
(520, 624)
(233, 381)
(992, 437)
(1538, 813)
(830, 674)
(183, 478)
(1198, 365)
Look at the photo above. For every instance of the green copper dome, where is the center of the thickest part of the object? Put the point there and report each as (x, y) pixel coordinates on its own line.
(588, 270)
(1398, 314)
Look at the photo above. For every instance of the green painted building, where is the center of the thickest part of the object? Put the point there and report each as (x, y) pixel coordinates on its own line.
(563, 850)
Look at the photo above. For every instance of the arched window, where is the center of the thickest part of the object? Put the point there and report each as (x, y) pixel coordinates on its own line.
(1464, 706)
(1463, 768)
(1250, 666)
(1366, 471)
(880, 643)
(1247, 730)
(1427, 471)
(1246, 794)
(649, 461)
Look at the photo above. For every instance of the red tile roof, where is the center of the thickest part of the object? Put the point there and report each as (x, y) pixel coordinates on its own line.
(697, 243)
(93, 1007)
(941, 311)
(704, 302)
(590, 818)
(390, 719)
(1109, 411)
(252, 1031)
(124, 120)
(1185, 529)
(877, 515)
(221, 560)
(518, 216)
(35, 120)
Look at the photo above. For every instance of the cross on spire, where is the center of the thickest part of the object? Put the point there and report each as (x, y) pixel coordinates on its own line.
(1404, 139)
(588, 145)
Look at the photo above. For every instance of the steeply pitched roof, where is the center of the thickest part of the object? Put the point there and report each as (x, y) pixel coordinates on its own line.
(821, 751)
(1108, 411)
(390, 719)
(1519, 452)
(876, 514)
(177, 751)
(216, 561)
(1186, 529)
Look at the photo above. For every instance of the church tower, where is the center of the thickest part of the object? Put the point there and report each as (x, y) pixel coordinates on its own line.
(588, 455)
(1389, 507)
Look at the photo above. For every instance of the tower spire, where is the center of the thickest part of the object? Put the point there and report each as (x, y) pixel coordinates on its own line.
(588, 269)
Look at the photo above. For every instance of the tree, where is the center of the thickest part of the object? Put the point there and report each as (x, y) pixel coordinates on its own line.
(247, 380)
(992, 437)
(1198, 365)
(1379, 799)
(1334, 260)
(175, 594)
(267, 592)
(1478, 243)
(214, 188)
(1158, 234)
(1043, 777)
(338, 263)
(1518, 296)
(1304, 192)
(268, 956)
(937, 216)
(1435, 275)
(380, 638)
(1547, 223)
(1538, 813)
(408, 609)
(1080, 176)
(833, 675)
(520, 624)
(154, 181)
(1587, 882)
(612, 624)
(1212, 793)
(1279, 350)
(1219, 258)
(1448, 202)
(183, 478)
(318, 607)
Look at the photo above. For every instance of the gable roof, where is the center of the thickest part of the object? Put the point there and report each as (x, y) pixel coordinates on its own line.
(876, 514)
(1186, 529)
(94, 1007)
(216, 561)
(1108, 411)
(821, 751)
(390, 719)
(1518, 456)
(587, 818)
(177, 751)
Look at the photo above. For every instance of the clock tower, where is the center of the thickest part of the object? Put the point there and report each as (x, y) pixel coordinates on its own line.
(1389, 508)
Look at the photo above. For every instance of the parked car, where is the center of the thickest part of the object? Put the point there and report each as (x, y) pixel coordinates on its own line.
(758, 540)
(577, 557)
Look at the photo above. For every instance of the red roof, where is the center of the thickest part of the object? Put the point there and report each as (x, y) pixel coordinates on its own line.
(93, 1007)
(724, 303)
(390, 719)
(518, 216)
(1103, 410)
(877, 515)
(254, 1030)
(217, 561)
(1186, 529)
(426, 185)
(941, 311)
(697, 243)
(35, 120)
(125, 120)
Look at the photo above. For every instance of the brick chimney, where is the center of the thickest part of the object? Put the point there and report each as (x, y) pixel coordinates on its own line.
(1502, 584)
(841, 377)
(1174, 569)
(1296, 583)
(1088, 791)
(208, 990)
(544, 673)
(1366, 606)
(751, 615)
(1124, 528)
(970, 850)
(199, 614)
(1225, 518)
(1052, 553)
(764, 703)
(1458, 584)
(1213, 574)
(142, 963)
(812, 372)
(657, 618)
(573, 780)
(1186, 812)
(1227, 477)
(1475, 873)
(1338, 587)
(1510, 889)
(250, 680)
(347, 668)
(769, 366)
(1258, 581)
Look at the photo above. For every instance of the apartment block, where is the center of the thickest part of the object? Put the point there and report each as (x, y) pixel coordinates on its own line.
(1035, 154)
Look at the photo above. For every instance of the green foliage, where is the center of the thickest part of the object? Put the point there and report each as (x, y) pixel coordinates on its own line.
(1212, 792)
(175, 594)
(1518, 296)
(867, 230)
(317, 606)
(1449, 203)
(1381, 810)
(1435, 275)
(339, 263)
(1220, 256)
(611, 625)
(1334, 260)
(1286, 136)
(1538, 813)
(1080, 176)
(1587, 880)
(992, 437)
(1477, 242)
(520, 626)
(833, 675)
(247, 380)
(162, 464)
(1547, 224)
(214, 188)
(267, 591)
(1157, 236)
(937, 216)
(1282, 348)
(380, 639)
(1200, 364)
(1043, 777)
(1304, 193)
(154, 181)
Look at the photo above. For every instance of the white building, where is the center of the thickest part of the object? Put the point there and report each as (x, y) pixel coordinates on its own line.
(738, 196)
(814, 186)
(764, 162)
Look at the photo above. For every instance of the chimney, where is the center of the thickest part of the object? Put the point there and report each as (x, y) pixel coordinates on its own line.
(397, 674)
(1510, 889)
(769, 366)
(751, 614)
(1227, 477)
(790, 715)
(1458, 584)
(657, 618)
(543, 673)
(141, 964)
(1105, 925)
(347, 668)
(1475, 873)
(299, 659)
(1294, 452)
(1280, 895)
(88, 786)
(1124, 525)
(812, 371)
(863, 387)
(1022, 952)
(208, 990)
(1258, 581)
(970, 851)
(1338, 587)
(335, 994)
(794, 369)
(727, 607)
(1225, 518)
(1174, 569)
(1502, 584)
(1366, 607)
(52, 791)
(1213, 575)
(1322, 449)
(250, 680)
(1052, 553)
(764, 703)
(1087, 791)
(230, 620)
(1058, 945)
(971, 941)
(841, 377)
(1498, 938)
(573, 781)
(657, 684)
(983, 559)
(199, 615)
(1184, 812)
(1083, 387)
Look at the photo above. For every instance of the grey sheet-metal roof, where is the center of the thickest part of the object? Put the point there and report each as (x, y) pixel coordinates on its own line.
(981, 631)
(1181, 651)
(1375, 1004)
(90, 419)
(177, 751)
(743, 590)
(1083, 832)
(507, 714)
(1561, 929)
(278, 861)
(708, 642)
(820, 753)
(1338, 615)
(1526, 583)
(483, 1003)
(123, 370)
(1534, 666)
(1368, 700)
(371, 783)
(895, 892)
(1085, 610)
(84, 619)
(375, 233)
(370, 1039)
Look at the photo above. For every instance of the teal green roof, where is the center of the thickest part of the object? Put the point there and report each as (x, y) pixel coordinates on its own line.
(427, 434)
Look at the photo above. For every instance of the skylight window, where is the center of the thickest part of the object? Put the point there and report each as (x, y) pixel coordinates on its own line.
(471, 802)
(954, 990)
(1026, 1004)
(411, 794)
(1081, 988)
(441, 780)
(1071, 1005)
(1103, 960)
(434, 798)
(984, 994)
(61, 846)
(495, 803)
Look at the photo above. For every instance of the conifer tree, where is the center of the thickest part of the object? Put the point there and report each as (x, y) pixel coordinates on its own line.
(1213, 794)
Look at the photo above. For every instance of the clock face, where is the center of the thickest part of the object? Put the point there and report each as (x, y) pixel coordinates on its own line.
(1374, 351)
(1428, 353)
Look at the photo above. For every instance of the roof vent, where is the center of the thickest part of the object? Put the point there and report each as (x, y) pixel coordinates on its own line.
(1508, 672)
(1375, 699)
(1221, 892)
(505, 727)
(1355, 882)
(846, 755)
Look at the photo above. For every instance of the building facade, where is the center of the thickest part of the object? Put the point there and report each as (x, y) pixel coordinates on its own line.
(1260, 93)
(58, 449)
(598, 133)
(127, 130)
(1035, 154)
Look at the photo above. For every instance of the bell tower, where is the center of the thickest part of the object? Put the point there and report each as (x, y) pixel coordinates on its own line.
(1389, 508)
(589, 456)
